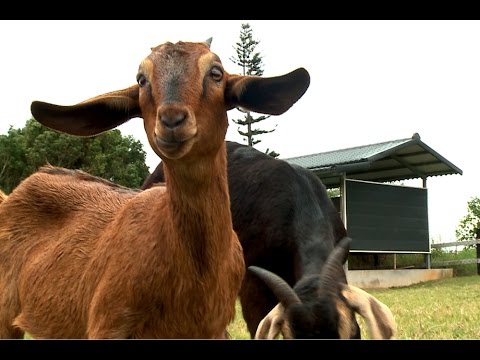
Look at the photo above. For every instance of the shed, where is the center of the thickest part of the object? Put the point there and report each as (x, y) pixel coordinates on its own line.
(382, 217)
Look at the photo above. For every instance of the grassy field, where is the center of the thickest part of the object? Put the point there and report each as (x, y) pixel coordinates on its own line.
(441, 309)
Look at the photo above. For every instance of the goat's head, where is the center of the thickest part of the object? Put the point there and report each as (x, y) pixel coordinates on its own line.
(321, 307)
(183, 94)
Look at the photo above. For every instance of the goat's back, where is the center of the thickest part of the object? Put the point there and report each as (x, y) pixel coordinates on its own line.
(56, 196)
(280, 207)
(59, 216)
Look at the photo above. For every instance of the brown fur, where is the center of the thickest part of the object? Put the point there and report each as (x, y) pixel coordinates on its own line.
(81, 257)
(3, 196)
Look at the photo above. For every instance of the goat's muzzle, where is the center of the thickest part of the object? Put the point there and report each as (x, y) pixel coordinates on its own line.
(172, 117)
(174, 128)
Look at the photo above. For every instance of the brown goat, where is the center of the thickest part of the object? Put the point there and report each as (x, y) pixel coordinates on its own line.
(3, 196)
(82, 257)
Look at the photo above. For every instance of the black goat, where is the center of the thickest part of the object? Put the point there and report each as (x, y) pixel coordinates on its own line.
(287, 224)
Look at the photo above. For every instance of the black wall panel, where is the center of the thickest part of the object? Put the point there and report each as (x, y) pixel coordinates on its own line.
(384, 217)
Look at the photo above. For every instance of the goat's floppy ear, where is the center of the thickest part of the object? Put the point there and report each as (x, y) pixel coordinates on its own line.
(92, 116)
(266, 95)
(271, 325)
(378, 317)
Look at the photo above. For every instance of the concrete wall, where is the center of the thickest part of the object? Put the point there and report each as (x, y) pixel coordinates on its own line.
(381, 279)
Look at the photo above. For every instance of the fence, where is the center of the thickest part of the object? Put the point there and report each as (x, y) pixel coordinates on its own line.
(463, 261)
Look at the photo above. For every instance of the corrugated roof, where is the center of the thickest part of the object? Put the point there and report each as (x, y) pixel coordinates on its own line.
(387, 161)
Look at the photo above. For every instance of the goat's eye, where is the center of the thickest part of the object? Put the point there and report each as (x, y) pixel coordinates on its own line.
(216, 73)
(141, 80)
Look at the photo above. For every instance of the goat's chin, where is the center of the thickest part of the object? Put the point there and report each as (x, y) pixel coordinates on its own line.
(173, 150)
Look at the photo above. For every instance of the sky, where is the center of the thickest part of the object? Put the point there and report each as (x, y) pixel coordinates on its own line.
(371, 81)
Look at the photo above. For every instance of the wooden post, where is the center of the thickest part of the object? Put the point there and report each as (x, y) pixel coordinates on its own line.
(478, 251)
(428, 260)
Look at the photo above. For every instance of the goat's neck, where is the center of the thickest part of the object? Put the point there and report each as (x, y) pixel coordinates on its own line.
(200, 204)
(191, 182)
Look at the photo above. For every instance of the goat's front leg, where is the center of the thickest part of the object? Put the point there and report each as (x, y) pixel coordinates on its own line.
(109, 316)
(109, 323)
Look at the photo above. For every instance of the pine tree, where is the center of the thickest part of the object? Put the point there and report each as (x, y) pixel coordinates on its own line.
(251, 64)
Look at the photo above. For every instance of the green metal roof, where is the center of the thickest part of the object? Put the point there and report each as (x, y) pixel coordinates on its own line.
(387, 161)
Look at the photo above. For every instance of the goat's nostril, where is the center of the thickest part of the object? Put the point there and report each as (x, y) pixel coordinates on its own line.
(172, 119)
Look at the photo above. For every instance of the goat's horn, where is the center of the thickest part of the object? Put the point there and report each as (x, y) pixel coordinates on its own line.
(209, 41)
(329, 276)
(284, 293)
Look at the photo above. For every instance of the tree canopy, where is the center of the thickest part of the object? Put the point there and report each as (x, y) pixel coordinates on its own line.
(466, 229)
(110, 155)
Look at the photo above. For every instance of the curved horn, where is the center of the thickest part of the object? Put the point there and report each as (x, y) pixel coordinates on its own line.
(378, 317)
(284, 293)
(329, 276)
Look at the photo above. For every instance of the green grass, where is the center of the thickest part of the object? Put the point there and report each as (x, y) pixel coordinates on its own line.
(440, 309)
(458, 270)
(238, 329)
